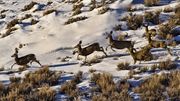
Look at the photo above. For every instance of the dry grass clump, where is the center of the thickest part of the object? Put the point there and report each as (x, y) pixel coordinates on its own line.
(117, 27)
(167, 65)
(77, 6)
(152, 17)
(154, 88)
(177, 9)
(8, 32)
(107, 90)
(12, 23)
(134, 21)
(151, 2)
(48, 12)
(168, 9)
(92, 70)
(123, 66)
(70, 88)
(42, 76)
(2, 16)
(33, 21)
(27, 16)
(29, 6)
(103, 10)
(72, 20)
(23, 89)
(77, 11)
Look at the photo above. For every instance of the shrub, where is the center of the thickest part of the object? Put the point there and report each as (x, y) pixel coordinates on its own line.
(24, 90)
(77, 6)
(27, 16)
(33, 21)
(108, 91)
(49, 12)
(72, 20)
(42, 76)
(9, 32)
(167, 65)
(69, 87)
(152, 17)
(153, 89)
(12, 23)
(123, 66)
(168, 9)
(151, 2)
(92, 70)
(103, 10)
(134, 21)
(177, 9)
(2, 16)
(77, 11)
(117, 27)
(29, 6)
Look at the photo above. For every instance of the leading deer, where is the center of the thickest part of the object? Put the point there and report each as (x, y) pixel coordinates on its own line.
(24, 60)
(87, 50)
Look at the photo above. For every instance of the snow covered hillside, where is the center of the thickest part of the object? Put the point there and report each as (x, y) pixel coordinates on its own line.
(51, 28)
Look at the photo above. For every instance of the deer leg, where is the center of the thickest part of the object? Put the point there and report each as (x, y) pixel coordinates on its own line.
(112, 49)
(103, 50)
(13, 65)
(37, 62)
(107, 47)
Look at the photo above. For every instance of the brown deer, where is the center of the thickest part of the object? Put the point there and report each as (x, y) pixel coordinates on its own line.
(87, 50)
(143, 54)
(118, 44)
(24, 60)
(149, 32)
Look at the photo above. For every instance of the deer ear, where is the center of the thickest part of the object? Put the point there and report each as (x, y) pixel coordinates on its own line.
(16, 50)
(111, 32)
(80, 42)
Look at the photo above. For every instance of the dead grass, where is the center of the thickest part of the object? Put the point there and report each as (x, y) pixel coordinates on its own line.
(167, 65)
(123, 66)
(107, 90)
(117, 27)
(23, 89)
(152, 17)
(12, 23)
(103, 10)
(49, 12)
(151, 2)
(29, 6)
(168, 9)
(72, 20)
(153, 89)
(2, 16)
(134, 21)
(8, 32)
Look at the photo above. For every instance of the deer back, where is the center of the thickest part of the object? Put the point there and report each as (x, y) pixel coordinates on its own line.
(90, 49)
(25, 59)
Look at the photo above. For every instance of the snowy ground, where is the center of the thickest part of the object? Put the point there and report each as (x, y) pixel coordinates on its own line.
(50, 40)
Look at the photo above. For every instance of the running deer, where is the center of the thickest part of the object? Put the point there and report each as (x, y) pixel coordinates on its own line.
(87, 50)
(142, 55)
(149, 32)
(24, 60)
(118, 44)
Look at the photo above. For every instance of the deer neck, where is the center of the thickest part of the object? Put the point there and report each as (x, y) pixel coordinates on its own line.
(146, 29)
(16, 57)
(79, 48)
(149, 39)
(110, 39)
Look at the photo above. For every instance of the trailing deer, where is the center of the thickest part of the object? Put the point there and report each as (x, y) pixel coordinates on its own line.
(149, 32)
(87, 50)
(24, 60)
(118, 44)
(157, 44)
(142, 55)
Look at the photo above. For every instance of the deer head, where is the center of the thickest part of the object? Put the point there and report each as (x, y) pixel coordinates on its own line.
(16, 52)
(109, 34)
(78, 45)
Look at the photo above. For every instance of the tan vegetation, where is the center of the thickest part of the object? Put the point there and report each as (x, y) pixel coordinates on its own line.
(8, 32)
(107, 90)
(168, 9)
(151, 2)
(12, 23)
(48, 12)
(123, 66)
(72, 20)
(103, 10)
(34, 87)
(29, 6)
(134, 21)
(152, 17)
(153, 89)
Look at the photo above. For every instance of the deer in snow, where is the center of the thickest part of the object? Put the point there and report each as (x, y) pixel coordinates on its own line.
(87, 50)
(24, 60)
(118, 44)
(143, 54)
(149, 32)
